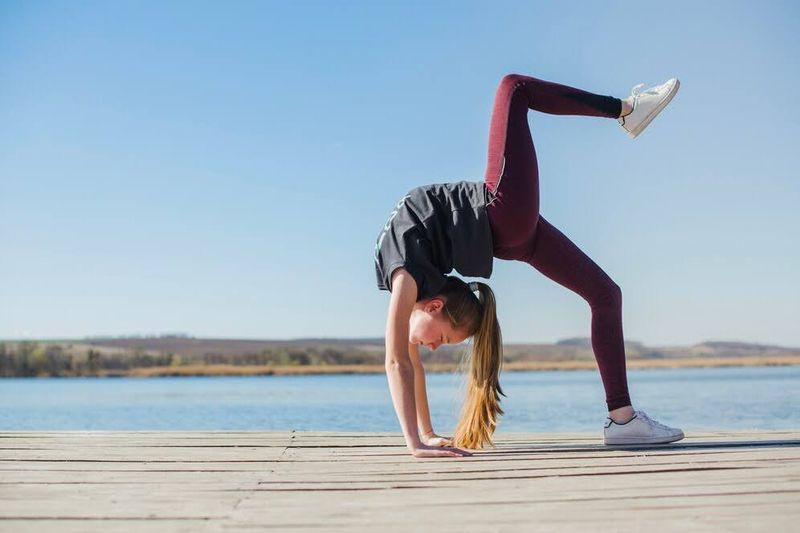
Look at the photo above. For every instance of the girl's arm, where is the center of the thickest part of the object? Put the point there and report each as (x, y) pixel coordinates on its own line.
(420, 392)
(424, 425)
(400, 370)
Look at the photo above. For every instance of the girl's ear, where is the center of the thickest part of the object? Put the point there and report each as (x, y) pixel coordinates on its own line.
(433, 305)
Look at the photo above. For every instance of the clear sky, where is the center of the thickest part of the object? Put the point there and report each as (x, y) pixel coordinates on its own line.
(223, 169)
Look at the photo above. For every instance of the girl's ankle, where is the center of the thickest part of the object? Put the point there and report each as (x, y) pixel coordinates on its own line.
(625, 108)
(622, 415)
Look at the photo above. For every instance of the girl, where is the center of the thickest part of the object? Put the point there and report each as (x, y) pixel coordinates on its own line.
(463, 226)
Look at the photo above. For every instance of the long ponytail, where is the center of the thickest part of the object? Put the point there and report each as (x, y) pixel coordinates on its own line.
(481, 410)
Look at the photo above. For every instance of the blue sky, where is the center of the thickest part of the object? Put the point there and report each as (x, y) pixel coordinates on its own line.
(223, 169)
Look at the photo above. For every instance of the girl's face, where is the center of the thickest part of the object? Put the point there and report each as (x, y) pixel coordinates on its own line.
(429, 325)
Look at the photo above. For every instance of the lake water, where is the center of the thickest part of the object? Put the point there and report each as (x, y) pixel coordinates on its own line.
(693, 399)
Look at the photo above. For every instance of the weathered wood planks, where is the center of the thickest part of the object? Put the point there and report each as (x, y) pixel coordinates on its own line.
(247, 481)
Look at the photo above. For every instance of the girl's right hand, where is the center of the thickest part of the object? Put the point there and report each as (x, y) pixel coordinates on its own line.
(432, 439)
(424, 450)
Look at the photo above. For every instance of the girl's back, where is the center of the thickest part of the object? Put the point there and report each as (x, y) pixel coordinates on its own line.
(433, 230)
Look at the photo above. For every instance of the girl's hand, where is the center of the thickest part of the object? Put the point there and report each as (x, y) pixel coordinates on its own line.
(432, 439)
(424, 450)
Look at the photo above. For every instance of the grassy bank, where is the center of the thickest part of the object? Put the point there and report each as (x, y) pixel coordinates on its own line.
(256, 370)
(189, 356)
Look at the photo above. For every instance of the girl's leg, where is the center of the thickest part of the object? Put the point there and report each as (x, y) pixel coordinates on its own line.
(554, 255)
(511, 170)
(520, 233)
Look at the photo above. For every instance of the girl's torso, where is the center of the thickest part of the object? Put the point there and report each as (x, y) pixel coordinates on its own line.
(433, 230)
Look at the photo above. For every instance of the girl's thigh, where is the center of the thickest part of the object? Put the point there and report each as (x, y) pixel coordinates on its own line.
(514, 212)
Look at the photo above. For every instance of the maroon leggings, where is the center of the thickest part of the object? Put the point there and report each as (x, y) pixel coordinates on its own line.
(521, 234)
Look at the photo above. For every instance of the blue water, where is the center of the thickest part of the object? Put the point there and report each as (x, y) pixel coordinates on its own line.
(694, 399)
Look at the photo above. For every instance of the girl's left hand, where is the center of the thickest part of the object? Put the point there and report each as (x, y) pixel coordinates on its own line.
(432, 439)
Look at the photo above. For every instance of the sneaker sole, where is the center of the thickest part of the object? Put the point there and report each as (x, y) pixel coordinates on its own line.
(640, 128)
(638, 440)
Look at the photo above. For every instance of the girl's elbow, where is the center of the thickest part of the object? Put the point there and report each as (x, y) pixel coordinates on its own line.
(394, 364)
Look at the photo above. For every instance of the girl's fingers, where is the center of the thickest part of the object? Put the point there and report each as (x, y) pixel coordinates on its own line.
(441, 452)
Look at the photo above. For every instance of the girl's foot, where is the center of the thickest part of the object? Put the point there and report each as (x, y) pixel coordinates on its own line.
(641, 429)
(646, 105)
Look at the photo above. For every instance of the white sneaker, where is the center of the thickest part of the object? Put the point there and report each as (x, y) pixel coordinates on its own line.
(641, 429)
(646, 105)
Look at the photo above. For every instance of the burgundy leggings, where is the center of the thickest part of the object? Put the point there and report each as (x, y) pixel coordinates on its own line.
(521, 234)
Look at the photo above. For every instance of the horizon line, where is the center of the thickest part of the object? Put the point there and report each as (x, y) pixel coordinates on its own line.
(360, 338)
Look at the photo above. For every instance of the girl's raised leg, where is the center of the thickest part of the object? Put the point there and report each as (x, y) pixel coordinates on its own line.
(521, 234)
(512, 172)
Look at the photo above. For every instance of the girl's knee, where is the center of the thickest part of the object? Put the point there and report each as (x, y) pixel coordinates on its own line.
(610, 295)
(510, 81)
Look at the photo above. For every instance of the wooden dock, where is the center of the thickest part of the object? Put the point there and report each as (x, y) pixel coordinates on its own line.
(232, 481)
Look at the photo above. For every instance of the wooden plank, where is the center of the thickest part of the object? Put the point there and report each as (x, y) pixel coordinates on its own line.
(247, 481)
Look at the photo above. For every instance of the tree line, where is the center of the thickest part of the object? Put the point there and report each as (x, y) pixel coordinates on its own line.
(34, 359)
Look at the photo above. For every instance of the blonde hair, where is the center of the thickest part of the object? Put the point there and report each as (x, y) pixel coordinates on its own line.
(478, 316)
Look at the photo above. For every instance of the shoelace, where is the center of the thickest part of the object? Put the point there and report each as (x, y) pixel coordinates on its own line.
(643, 415)
(637, 90)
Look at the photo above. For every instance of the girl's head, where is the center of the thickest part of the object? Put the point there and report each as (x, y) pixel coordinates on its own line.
(453, 315)
(450, 317)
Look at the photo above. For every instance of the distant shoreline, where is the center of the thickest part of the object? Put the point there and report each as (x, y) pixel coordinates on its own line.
(307, 370)
(185, 356)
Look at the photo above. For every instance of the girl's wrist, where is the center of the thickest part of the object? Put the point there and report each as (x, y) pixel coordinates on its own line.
(427, 434)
